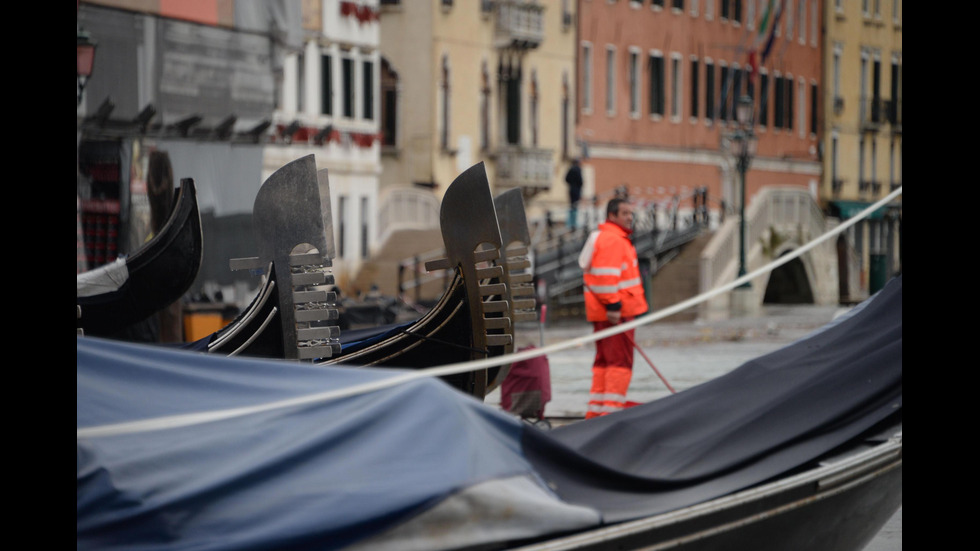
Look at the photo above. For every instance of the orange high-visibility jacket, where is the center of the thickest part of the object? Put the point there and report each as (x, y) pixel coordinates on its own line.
(612, 280)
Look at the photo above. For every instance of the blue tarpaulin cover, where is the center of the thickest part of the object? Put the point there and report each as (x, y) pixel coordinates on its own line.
(183, 450)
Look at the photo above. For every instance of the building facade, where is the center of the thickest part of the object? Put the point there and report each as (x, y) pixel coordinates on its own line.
(330, 107)
(862, 137)
(658, 82)
(232, 91)
(466, 82)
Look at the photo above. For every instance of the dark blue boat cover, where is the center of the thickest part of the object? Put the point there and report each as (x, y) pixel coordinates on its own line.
(182, 450)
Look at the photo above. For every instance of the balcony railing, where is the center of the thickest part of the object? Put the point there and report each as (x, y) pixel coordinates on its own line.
(836, 186)
(872, 113)
(519, 24)
(524, 167)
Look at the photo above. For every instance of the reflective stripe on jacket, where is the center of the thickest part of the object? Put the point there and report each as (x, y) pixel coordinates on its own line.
(612, 279)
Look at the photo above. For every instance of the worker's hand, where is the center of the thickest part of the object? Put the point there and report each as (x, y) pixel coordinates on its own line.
(614, 316)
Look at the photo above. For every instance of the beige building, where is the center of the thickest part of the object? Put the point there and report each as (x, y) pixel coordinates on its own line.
(862, 137)
(465, 82)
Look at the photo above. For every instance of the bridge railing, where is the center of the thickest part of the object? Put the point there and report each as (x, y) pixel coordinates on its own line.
(790, 211)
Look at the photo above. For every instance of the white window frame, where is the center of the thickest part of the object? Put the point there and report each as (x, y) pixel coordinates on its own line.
(587, 73)
(801, 15)
(635, 78)
(676, 86)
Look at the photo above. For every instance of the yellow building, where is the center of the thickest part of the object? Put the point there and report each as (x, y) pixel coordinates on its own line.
(862, 138)
(465, 82)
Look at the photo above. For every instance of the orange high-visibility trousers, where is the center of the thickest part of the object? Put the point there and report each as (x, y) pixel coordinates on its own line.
(611, 372)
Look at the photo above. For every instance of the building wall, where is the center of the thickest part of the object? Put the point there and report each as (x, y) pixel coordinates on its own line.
(679, 151)
(863, 163)
(348, 146)
(420, 39)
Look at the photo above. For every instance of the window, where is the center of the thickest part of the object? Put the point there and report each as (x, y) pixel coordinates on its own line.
(326, 85)
(789, 102)
(565, 101)
(895, 111)
(634, 76)
(779, 108)
(875, 184)
(510, 99)
(365, 215)
(610, 80)
(534, 108)
(736, 11)
(675, 87)
(838, 49)
(484, 108)
(835, 181)
(726, 93)
(813, 22)
(368, 92)
(587, 78)
(341, 225)
(876, 110)
(694, 88)
(801, 107)
(348, 87)
(389, 104)
(892, 183)
(657, 85)
(864, 86)
(814, 103)
(677, 4)
(444, 112)
(300, 83)
(709, 90)
(862, 183)
(801, 14)
(790, 20)
(763, 99)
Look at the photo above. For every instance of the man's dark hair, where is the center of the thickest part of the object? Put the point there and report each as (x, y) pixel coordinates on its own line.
(612, 207)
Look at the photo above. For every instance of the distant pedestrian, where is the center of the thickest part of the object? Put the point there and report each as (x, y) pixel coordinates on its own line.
(613, 294)
(574, 180)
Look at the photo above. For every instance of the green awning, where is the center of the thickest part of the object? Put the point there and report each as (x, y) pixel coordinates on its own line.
(849, 209)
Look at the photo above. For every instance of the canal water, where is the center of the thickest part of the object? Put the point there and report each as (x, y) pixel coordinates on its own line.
(686, 354)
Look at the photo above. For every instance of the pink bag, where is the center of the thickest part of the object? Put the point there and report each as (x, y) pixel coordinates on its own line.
(527, 388)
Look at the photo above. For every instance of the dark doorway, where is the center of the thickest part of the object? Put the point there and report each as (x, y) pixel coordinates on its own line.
(788, 284)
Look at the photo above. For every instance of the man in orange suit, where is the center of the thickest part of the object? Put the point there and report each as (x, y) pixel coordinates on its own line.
(613, 294)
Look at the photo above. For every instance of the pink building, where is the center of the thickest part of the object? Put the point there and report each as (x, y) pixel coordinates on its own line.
(657, 85)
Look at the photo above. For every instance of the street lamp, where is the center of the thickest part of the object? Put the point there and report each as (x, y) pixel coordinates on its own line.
(743, 142)
(86, 59)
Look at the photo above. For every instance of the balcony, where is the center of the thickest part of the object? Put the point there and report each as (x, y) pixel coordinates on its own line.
(873, 111)
(836, 186)
(524, 167)
(519, 25)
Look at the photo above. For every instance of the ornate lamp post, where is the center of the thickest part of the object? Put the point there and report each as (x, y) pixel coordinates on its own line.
(86, 59)
(743, 142)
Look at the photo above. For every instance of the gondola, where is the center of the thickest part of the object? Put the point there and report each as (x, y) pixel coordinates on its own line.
(798, 449)
(471, 320)
(111, 297)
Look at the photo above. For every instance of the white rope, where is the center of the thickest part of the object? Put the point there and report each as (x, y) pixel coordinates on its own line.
(462, 367)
